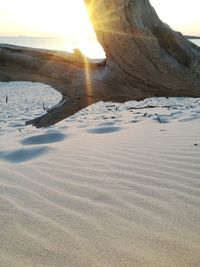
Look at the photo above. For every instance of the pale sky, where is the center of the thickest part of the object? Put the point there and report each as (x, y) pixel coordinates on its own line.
(181, 15)
(69, 18)
(43, 17)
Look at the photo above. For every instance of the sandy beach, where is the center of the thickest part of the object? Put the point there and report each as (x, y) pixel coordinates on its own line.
(113, 185)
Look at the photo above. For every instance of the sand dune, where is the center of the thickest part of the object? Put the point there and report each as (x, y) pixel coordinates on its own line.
(114, 185)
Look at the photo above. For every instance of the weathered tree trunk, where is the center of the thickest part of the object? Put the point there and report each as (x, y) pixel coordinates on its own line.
(145, 58)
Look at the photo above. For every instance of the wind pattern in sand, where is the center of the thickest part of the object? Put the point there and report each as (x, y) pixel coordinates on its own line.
(113, 185)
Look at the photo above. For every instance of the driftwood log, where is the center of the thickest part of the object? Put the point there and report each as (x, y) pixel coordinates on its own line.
(144, 58)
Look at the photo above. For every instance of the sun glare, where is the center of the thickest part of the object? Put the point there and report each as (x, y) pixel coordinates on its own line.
(69, 18)
(74, 23)
(60, 18)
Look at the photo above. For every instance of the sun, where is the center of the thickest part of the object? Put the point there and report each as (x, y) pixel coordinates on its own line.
(55, 18)
(69, 17)
(74, 23)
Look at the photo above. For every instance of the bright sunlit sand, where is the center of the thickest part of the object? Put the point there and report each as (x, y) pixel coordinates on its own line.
(114, 185)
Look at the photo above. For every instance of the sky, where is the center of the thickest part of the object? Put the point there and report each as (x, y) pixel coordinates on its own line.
(181, 15)
(69, 17)
(43, 18)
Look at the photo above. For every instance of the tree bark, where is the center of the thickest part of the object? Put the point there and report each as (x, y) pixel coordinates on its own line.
(144, 58)
(145, 55)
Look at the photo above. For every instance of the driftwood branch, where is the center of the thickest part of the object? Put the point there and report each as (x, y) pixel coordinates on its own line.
(144, 58)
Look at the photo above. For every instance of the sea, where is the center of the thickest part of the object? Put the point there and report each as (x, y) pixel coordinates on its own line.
(196, 41)
(90, 48)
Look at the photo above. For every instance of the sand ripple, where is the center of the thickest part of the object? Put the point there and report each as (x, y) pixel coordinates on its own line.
(132, 202)
(100, 189)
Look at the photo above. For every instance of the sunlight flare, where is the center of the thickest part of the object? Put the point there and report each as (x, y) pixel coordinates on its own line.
(59, 18)
(88, 82)
(69, 19)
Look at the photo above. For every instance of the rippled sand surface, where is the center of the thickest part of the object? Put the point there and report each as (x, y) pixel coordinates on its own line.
(114, 185)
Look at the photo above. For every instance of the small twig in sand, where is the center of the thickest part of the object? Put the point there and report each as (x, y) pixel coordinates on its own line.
(43, 106)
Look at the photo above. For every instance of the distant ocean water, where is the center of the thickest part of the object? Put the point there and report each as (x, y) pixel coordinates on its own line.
(40, 42)
(62, 43)
(90, 48)
(196, 41)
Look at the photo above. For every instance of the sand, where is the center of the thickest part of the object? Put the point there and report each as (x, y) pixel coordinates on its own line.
(114, 185)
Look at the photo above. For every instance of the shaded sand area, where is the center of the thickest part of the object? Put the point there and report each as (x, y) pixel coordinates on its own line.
(114, 185)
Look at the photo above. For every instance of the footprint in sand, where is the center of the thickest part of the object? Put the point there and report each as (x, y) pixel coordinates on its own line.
(104, 130)
(22, 155)
(44, 139)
